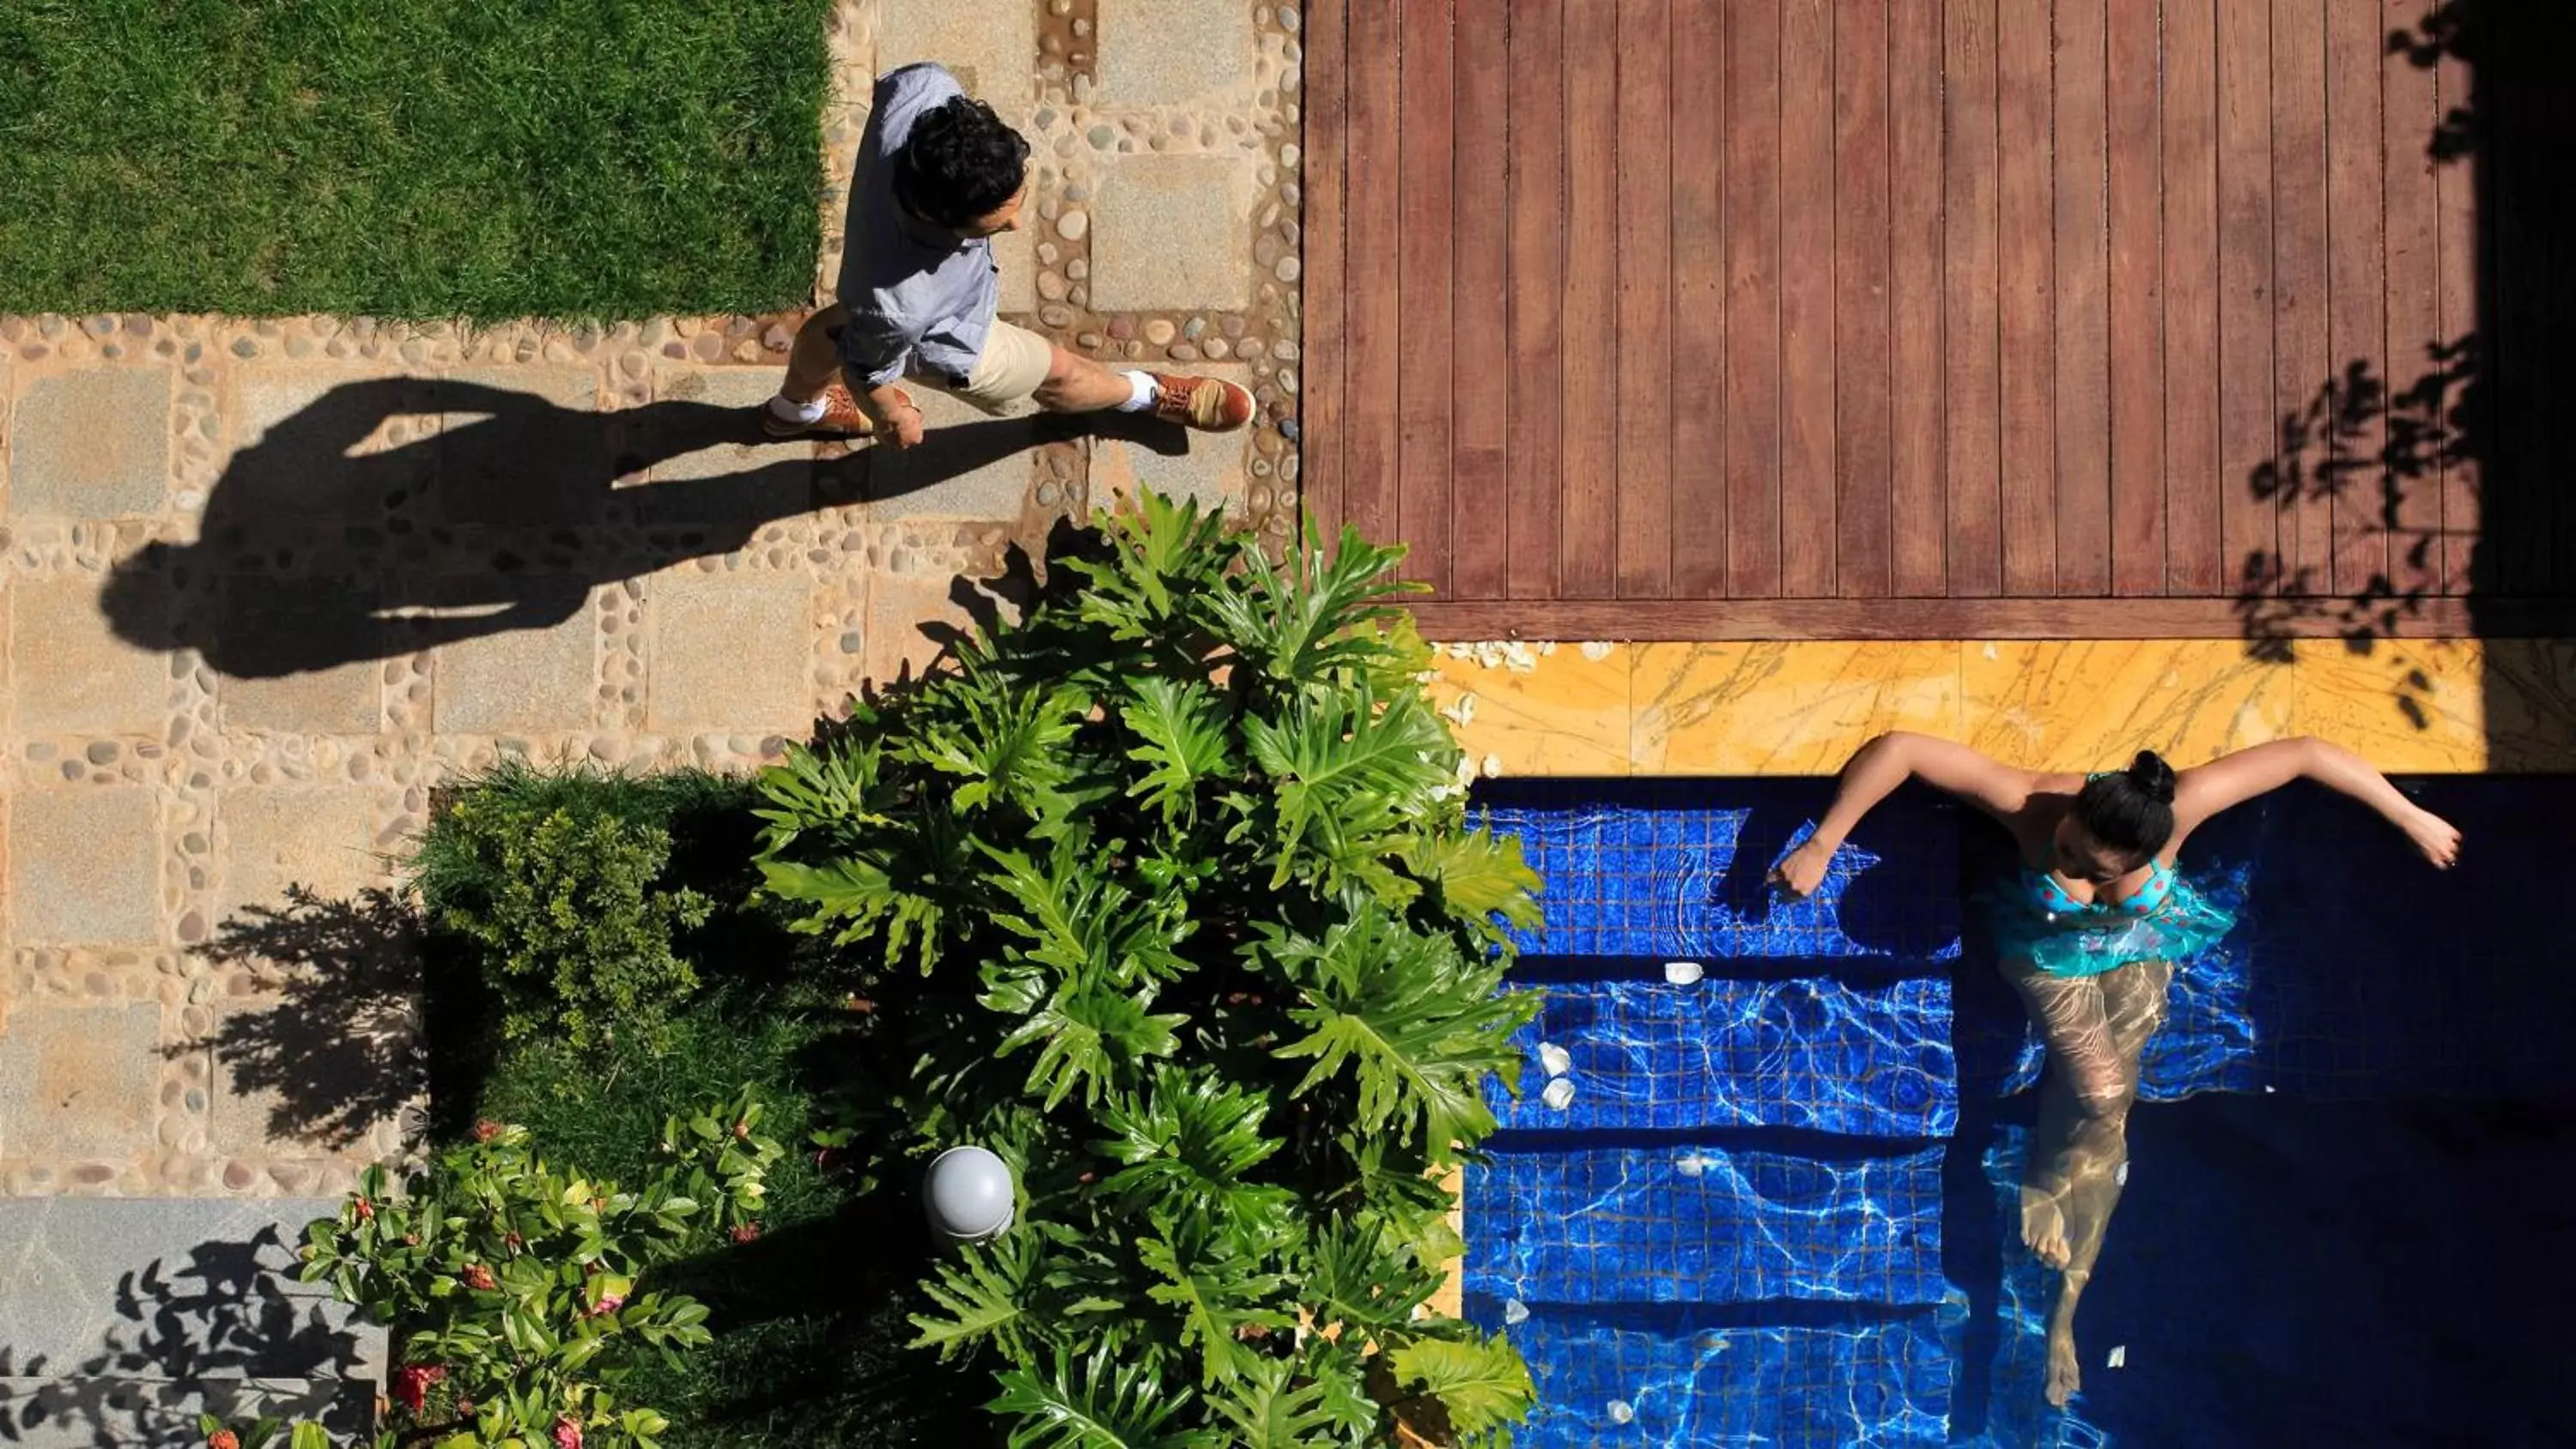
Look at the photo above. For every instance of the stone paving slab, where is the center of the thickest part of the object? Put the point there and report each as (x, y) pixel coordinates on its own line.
(91, 442)
(265, 585)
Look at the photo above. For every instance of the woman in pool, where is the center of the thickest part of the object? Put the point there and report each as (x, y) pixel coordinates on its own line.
(2089, 932)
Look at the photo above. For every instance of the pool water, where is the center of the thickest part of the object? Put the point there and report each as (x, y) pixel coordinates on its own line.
(1779, 1208)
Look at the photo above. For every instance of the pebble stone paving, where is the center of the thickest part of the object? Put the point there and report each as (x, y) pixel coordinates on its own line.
(265, 585)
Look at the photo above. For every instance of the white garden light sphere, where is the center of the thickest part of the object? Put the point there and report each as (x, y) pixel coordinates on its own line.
(968, 1194)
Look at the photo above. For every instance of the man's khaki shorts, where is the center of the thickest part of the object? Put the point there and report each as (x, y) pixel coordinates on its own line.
(1014, 362)
(1013, 365)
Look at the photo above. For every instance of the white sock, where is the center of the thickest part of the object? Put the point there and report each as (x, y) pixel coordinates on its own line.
(797, 412)
(1143, 396)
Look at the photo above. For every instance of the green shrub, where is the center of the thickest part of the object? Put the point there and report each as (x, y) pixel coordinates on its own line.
(515, 1290)
(577, 890)
(1209, 956)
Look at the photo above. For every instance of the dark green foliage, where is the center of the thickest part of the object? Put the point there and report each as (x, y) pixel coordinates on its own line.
(1208, 954)
(565, 887)
(423, 159)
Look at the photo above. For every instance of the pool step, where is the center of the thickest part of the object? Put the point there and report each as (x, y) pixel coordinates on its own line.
(1567, 1220)
(1866, 1057)
(1664, 1380)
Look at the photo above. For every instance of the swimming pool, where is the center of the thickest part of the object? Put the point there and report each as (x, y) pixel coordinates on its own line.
(1777, 1207)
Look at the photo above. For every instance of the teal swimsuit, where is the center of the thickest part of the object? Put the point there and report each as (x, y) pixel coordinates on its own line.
(2166, 920)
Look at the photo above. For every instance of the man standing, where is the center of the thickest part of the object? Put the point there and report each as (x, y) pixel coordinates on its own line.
(938, 176)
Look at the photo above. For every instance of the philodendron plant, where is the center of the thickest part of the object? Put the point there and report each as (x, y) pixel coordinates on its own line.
(1210, 956)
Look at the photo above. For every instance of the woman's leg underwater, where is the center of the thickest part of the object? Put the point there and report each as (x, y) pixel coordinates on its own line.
(2097, 1028)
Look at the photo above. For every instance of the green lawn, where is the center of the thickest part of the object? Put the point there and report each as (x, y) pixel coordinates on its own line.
(483, 159)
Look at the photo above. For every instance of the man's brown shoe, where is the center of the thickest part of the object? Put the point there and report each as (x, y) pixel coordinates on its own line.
(1207, 403)
(842, 417)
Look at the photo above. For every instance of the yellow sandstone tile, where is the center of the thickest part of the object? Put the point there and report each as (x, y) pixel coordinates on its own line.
(2078, 706)
(2407, 705)
(1539, 709)
(1784, 708)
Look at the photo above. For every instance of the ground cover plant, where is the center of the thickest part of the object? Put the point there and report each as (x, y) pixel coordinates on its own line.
(440, 158)
(1206, 952)
(808, 1334)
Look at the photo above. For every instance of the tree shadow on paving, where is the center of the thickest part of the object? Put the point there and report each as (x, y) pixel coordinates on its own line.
(310, 555)
(2445, 470)
(343, 1049)
(222, 1332)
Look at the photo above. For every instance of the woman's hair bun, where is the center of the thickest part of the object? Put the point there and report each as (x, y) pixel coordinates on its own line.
(2152, 777)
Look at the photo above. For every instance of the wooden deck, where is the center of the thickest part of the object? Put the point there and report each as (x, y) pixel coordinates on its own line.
(1942, 318)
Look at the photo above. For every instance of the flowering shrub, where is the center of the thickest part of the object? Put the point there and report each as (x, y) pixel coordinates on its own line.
(260, 1435)
(1211, 958)
(514, 1290)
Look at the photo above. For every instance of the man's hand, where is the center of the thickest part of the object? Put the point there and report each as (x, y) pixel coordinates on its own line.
(901, 421)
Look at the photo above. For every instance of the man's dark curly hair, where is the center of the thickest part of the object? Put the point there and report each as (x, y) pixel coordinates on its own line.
(959, 163)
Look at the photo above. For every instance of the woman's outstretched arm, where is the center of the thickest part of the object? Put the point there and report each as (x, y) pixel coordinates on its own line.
(2231, 780)
(1875, 773)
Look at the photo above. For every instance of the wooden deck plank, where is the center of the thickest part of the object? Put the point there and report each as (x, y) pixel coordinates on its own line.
(1950, 618)
(2081, 294)
(1590, 526)
(1425, 352)
(2459, 262)
(2249, 524)
(2303, 370)
(1479, 527)
(2136, 337)
(1917, 361)
(1802, 316)
(1324, 249)
(1864, 426)
(2025, 180)
(1699, 299)
(2196, 560)
(1374, 228)
(2357, 274)
(1753, 568)
(2409, 117)
(1534, 513)
(1643, 397)
(1807, 444)
(1972, 347)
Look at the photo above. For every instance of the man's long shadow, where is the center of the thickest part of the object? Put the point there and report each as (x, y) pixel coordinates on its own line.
(310, 555)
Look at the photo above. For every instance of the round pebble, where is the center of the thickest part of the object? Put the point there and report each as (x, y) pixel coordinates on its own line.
(1051, 286)
(1072, 225)
(1160, 332)
(1288, 269)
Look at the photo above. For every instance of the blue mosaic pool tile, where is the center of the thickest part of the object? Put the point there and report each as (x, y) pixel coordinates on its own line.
(1822, 1055)
(1577, 1223)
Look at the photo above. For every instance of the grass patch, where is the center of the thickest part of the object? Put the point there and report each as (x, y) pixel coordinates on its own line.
(601, 159)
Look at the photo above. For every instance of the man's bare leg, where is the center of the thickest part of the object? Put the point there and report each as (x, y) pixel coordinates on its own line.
(1076, 384)
(814, 362)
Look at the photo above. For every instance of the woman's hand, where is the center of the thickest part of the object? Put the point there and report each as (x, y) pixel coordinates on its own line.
(2438, 838)
(1802, 870)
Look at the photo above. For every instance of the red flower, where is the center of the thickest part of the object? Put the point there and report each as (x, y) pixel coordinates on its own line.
(478, 1277)
(513, 1242)
(464, 1407)
(223, 1439)
(366, 1209)
(411, 1384)
(747, 1232)
(567, 1433)
(486, 1130)
(741, 1131)
(608, 1303)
